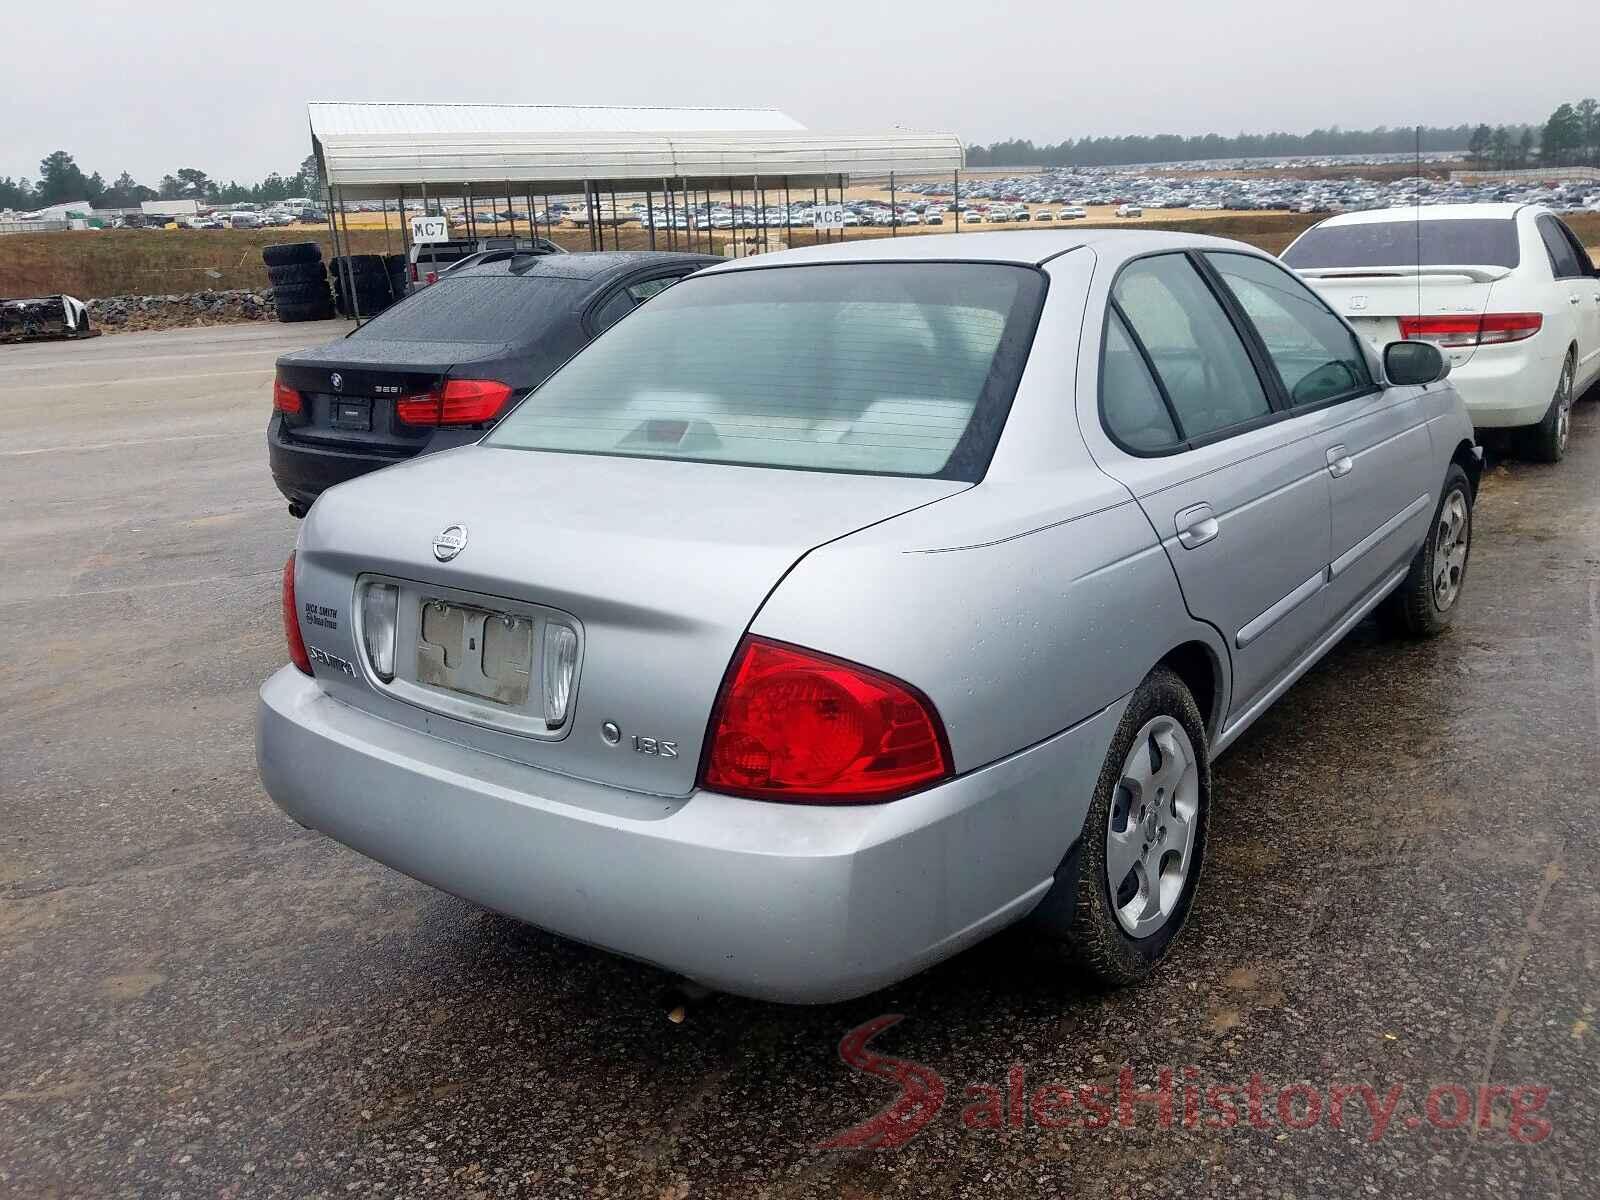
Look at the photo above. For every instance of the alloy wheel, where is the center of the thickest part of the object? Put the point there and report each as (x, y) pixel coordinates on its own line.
(1150, 833)
(1451, 542)
(1564, 407)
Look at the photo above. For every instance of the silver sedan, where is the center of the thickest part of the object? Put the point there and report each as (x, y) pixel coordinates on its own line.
(840, 607)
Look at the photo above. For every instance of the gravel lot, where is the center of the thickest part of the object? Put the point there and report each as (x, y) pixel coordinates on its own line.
(198, 998)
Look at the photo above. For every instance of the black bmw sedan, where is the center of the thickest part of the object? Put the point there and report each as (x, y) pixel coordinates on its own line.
(437, 369)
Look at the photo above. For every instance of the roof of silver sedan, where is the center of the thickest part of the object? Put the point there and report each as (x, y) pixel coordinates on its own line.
(1025, 247)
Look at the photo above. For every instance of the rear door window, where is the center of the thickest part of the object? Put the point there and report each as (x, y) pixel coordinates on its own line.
(1201, 361)
(1444, 242)
(1315, 354)
(1563, 262)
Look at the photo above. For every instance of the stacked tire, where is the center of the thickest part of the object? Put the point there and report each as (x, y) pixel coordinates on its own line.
(365, 284)
(299, 281)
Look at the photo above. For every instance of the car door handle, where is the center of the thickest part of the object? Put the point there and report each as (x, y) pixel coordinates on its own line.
(1197, 525)
(1340, 463)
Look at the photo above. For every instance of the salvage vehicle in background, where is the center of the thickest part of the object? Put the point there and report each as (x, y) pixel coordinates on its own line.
(438, 368)
(429, 260)
(847, 604)
(1505, 290)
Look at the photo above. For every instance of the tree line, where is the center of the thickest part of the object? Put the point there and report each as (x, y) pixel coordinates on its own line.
(1571, 137)
(61, 180)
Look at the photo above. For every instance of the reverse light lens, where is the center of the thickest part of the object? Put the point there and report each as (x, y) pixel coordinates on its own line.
(380, 607)
(459, 402)
(798, 726)
(560, 661)
(1466, 332)
(291, 620)
(285, 399)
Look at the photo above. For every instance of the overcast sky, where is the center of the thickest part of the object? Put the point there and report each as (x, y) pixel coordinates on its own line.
(221, 85)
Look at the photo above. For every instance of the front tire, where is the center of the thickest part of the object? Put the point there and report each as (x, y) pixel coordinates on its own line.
(1144, 841)
(1547, 441)
(1426, 601)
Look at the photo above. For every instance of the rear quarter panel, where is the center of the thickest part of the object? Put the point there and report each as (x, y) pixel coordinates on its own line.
(1021, 606)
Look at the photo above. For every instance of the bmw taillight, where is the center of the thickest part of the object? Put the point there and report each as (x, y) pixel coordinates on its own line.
(291, 620)
(458, 402)
(791, 724)
(1466, 332)
(284, 398)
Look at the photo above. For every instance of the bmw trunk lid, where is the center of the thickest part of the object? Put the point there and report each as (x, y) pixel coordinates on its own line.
(656, 567)
(348, 389)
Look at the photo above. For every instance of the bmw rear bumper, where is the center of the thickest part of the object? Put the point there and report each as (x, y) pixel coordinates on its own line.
(794, 903)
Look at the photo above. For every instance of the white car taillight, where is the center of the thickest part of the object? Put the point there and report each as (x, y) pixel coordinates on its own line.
(560, 660)
(380, 605)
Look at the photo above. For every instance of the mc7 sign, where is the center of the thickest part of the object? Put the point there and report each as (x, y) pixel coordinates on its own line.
(430, 229)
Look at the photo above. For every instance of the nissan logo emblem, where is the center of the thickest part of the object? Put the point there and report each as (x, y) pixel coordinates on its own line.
(449, 542)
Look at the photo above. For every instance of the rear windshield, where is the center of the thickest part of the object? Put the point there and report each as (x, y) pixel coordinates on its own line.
(892, 369)
(1445, 243)
(476, 308)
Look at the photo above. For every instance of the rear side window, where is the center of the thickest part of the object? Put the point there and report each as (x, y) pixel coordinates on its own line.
(1314, 353)
(881, 368)
(1563, 260)
(480, 309)
(1135, 413)
(1445, 242)
(1198, 355)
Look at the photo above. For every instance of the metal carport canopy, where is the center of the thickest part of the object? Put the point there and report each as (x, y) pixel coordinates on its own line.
(373, 151)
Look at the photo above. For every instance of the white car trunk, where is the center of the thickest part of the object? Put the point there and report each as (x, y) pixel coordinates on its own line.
(1374, 299)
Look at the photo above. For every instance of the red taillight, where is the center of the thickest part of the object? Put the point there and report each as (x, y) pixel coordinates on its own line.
(284, 398)
(460, 402)
(794, 725)
(1464, 332)
(291, 620)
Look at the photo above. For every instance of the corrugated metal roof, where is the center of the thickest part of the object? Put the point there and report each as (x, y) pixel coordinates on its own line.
(341, 118)
(371, 151)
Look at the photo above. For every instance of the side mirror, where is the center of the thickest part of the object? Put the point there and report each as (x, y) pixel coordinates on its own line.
(1408, 364)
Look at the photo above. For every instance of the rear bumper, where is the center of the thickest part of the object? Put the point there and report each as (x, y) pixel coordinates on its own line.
(1505, 387)
(303, 471)
(794, 903)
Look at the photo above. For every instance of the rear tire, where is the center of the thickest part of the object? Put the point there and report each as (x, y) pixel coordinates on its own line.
(1426, 601)
(1147, 824)
(1547, 441)
(291, 252)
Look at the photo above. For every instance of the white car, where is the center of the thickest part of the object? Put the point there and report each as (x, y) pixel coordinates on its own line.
(1505, 290)
(1044, 214)
(1073, 211)
(1129, 210)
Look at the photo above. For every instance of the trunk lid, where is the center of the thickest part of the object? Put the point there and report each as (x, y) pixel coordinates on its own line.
(659, 565)
(1373, 299)
(349, 389)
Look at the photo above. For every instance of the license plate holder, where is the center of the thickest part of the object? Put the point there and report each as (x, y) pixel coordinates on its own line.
(352, 414)
(475, 651)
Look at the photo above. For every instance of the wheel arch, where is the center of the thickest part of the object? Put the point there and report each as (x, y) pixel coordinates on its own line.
(1465, 457)
(1204, 673)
